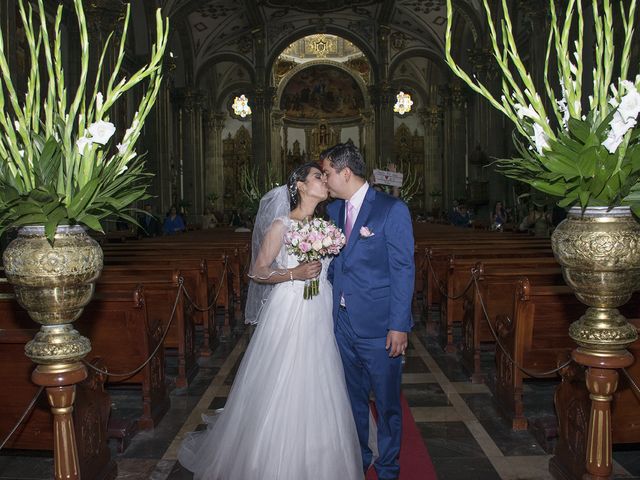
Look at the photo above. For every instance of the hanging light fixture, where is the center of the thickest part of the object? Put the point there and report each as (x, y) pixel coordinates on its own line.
(403, 105)
(241, 106)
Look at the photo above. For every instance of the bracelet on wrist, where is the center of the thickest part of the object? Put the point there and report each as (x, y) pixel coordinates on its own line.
(291, 275)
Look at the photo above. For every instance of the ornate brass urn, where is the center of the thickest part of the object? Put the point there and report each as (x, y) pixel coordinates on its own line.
(599, 251)
(54, 283)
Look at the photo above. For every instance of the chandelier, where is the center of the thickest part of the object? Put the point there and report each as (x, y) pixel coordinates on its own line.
(403, 105)
(241, 106)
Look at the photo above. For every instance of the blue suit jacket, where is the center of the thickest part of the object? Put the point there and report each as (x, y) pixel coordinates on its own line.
(376, 274)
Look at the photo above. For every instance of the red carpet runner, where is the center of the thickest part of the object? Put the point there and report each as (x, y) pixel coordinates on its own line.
(415, 462)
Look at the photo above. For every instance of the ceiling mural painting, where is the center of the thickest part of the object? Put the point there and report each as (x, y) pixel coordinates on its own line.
(321, 91)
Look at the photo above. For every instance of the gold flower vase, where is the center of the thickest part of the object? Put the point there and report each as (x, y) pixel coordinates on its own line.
(54, 283)
(599, 251)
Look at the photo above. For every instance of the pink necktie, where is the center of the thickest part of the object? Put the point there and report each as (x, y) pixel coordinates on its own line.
(348, 224)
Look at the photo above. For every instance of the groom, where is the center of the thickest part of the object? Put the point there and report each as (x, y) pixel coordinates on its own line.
(372, 288)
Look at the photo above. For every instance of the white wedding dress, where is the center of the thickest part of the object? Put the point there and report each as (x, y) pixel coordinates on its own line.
(288, 415)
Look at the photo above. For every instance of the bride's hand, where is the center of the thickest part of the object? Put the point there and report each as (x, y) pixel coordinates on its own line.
(307, 270)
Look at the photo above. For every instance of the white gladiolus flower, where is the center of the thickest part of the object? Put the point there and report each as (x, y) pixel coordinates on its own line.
(101, 131)
(526, 112)
(625, 117)
(122, 147)
(123, 169)
(540, 139)
(82, 143)
(630, 103)
(99, 101)
(16, 124)
(562, 107)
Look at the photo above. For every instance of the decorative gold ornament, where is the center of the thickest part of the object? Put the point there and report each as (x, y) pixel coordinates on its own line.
(321, 45)
(54, 284)
(600, 256)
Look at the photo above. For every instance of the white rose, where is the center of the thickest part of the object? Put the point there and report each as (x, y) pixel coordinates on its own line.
(327, 242)
(101, 131)
(317, 245)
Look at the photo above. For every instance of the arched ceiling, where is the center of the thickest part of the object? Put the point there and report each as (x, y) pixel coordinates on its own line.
(228, 27)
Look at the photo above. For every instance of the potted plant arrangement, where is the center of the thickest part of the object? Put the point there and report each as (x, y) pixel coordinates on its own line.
(581, 146)
(585, 151)
(64, 167)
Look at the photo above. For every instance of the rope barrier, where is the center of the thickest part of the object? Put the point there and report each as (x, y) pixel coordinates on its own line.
(155, 350)
(442, 291)
(633, 384)
(22, 418)
(213, 302)
(499, 343)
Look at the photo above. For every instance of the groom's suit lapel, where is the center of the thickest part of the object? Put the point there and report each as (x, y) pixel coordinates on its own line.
(363, 216)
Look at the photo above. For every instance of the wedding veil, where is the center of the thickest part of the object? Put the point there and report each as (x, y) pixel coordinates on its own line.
(268, 253)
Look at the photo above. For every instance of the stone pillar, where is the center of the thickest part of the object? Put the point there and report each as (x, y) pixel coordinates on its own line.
(432, 118)
(368, 137)
(536, 20)
(213, 161)
(382, 98)
(455, 147)
(104, 17)
(277, 156)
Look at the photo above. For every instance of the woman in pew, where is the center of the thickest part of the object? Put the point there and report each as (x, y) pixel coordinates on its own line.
(288, 415)
(173, 222)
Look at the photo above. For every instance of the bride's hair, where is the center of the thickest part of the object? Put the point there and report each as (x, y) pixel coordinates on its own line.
(300, 175)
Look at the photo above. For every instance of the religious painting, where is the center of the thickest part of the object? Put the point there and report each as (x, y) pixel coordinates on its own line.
(322, 91)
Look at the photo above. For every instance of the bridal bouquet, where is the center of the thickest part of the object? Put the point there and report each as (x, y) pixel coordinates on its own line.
(311, 240)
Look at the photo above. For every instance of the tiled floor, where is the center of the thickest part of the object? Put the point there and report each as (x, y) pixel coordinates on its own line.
(460, 425)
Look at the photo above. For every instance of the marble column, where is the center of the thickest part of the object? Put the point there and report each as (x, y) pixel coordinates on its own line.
(213, 161)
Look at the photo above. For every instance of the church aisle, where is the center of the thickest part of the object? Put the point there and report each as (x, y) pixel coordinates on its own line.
(463, 432)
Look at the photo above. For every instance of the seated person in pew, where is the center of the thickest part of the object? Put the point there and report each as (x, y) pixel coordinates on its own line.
(149, 225)
(173, 222)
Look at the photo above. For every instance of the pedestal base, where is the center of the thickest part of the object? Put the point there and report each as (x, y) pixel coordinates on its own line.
(60, 383)
(602, 381)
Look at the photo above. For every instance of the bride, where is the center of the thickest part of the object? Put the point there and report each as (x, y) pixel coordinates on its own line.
(288, 416)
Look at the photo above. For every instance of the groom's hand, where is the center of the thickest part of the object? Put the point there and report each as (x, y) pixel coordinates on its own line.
(396, 343)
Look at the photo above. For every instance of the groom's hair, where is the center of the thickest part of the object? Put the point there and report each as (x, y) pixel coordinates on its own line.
(345, 155)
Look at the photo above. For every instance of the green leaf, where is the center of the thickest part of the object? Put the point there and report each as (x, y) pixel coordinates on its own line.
(92, 222)
(557, 189)
(80, 202)
(30, 219)
(579, 129)
(28, 209)
(53, 220)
